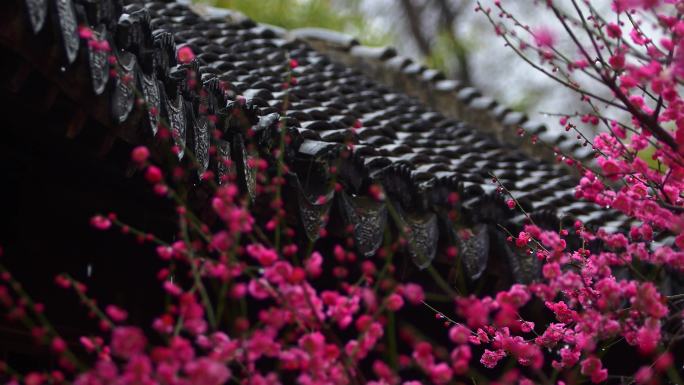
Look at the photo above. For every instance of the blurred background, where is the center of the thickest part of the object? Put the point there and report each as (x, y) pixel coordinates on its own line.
(443, 34)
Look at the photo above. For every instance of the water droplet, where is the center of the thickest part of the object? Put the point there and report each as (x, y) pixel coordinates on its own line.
(62, 69)
(89, 270)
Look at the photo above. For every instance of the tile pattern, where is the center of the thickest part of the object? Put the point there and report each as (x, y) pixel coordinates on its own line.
(418, 155)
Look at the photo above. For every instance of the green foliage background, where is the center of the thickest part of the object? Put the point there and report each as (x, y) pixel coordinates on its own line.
(343, 16)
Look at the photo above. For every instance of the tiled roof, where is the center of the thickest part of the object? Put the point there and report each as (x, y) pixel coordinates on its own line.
(447, 96)
(419, 154)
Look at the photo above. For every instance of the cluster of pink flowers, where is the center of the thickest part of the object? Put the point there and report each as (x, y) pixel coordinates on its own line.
(592, 309)
(638, 171)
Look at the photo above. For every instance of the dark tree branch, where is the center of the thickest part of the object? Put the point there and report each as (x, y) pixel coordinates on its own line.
(413, 17)
(448, 20)
(448, 15)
